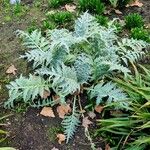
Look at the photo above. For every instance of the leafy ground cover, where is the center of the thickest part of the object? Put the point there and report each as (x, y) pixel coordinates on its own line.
(28, 129)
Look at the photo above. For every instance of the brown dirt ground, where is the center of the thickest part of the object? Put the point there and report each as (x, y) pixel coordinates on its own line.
(28, 131)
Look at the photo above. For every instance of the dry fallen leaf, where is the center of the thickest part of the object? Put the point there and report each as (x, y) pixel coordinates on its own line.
(45, 94)
(11, 70)
(47, 112)
(118, 12)
(61, 138)
(99, 108)
(86, 122)
(147, 26)
(107, 12)
(55, 97)
(135, 3)
(70, 8)
(92, 115)
(63, 110)
(54, 148)
(107, 147)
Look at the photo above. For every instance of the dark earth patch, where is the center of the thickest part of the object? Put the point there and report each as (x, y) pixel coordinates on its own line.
(31, 131)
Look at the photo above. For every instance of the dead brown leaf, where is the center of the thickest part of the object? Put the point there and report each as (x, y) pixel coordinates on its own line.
(61, 138)
(135, 3)
(56, 97)
(107, 12)
(92, 115)
(147, 26)
(70, 8)
(86, 122)
(99, 108)
(107, 147)
(11, 70)
(118, 12)
(63, 110)
(45, 94)
(47, 112)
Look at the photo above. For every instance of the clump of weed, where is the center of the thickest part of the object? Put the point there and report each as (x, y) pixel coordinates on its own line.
(37, 3)
(134, 20)
(13, 11)
(93, 6)
(53, 131)
(32, 26)
(60, 17)
(58, 3)
(140, 34)
(48, 25)
(102, 20)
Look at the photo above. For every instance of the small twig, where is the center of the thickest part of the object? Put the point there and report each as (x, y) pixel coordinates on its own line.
(81, 109)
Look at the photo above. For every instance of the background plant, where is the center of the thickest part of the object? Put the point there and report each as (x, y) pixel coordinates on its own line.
(134, 20)
(93, 6)
(102, 20)
(64, 61)
(131, 126)
(3, 133)
(59, 18)
(58, 3)
(140, 34)
(119, 3)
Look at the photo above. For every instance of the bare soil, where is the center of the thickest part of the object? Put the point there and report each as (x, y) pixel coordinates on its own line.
(29, 130)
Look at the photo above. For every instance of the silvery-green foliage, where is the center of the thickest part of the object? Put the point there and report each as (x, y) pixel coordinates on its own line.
(61, 38)
(35, 40)
(64, 79)
(26, 88)
(41, 103)
(86, 26)
(83, 68)
(70, 59)
(38, 57)
(110, 92)
(131, 49)
(66, 60)
(71, 122)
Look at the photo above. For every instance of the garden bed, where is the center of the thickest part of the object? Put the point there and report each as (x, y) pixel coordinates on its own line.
(28, 130)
